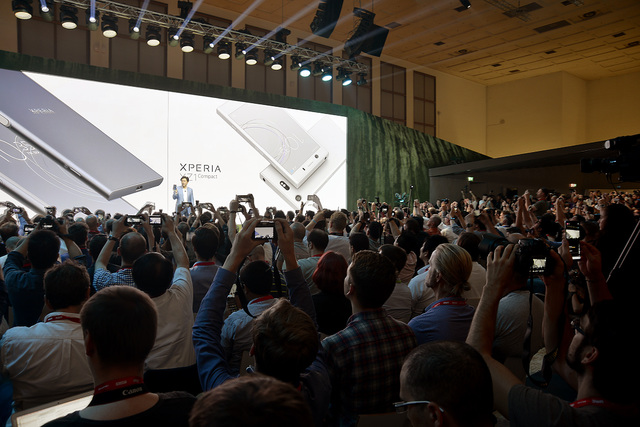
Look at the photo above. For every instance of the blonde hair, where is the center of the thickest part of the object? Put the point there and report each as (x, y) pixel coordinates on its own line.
(454, 265)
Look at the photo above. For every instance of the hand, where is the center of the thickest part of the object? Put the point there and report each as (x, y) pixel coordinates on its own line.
(119, 227)
(243, 244)
(500, 269)
(168, 225)
(319, 216)
(557, 275)
(285, 237)
(85, 210)
(565, 253)
(590, 263)
(234, 206)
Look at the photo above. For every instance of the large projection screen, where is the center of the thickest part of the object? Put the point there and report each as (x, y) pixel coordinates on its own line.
(177, 135)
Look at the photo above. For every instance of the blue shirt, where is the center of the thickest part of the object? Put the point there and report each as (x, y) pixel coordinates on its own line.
(445, 319)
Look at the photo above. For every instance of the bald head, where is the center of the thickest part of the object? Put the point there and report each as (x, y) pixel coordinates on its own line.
(298, 231)
(132, 247)
(92, 222)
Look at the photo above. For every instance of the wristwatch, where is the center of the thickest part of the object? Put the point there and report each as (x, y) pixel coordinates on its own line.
(112, 237)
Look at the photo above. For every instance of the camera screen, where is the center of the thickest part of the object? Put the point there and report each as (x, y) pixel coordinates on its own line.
(538, 265)
(572, 234)
(263, 232)
(133, 220)
(155, 220)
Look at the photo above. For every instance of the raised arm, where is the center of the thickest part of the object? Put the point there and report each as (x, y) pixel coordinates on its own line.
(481, 334)
(177, 248)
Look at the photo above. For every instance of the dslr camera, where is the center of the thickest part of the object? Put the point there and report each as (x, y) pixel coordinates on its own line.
(533, 256)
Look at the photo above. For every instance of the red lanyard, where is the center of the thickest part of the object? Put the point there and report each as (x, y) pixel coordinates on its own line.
(449, 303)
(591, 402)
(203, 263)
(264, 298)
(61, 317)
(119, 389)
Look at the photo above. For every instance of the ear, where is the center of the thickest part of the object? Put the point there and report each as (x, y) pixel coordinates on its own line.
(47, 303)
(89, 346)
(435, 415)
(252, 350)
(590, 355)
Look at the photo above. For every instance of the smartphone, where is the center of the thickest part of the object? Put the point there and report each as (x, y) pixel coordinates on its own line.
(572, 234)
(155, 220)
(31, 176)
(277, 137)
(476, 212)
(331, 137)
(28, 228)
(134, 220)
(175, 187)
(69, 139)
(243, 199)
(50, 210)
(16, 210)
(265, 230)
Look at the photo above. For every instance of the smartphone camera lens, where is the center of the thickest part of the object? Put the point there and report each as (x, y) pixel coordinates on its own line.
(284, 185)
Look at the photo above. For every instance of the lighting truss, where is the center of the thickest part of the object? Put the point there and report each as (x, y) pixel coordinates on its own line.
(508, 7)
(217, 33)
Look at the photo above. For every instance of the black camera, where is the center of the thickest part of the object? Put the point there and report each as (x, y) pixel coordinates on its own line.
(49, 223)
(628, 148)
(533, 256)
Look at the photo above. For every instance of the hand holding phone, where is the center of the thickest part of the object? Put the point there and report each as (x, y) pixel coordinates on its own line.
(265, 230)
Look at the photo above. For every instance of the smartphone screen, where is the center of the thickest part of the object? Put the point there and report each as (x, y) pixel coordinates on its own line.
(155, 220)
(265, 230)
(572, 234)
(278, 138)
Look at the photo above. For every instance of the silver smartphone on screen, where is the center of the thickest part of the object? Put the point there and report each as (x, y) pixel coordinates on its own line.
(277, 137)
(68, 138)
(330, 136)
(36, 181)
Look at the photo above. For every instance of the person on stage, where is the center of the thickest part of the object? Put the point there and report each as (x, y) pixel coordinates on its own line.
(182, 195)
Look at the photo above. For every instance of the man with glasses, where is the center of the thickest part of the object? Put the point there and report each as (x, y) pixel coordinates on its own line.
(446, 383)
(594, 357)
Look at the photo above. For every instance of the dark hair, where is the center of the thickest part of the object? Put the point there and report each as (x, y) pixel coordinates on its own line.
(96, 244)
(432, 242)
(285, 340)
(122, 323)
(251, 401)
(453, 375)
(152, 274)
(205, 242)
(375, 230)
(373, 277)
(358, 241)
(43, 248)
(78, 232)
(611, 324)
(319, 238)
(470, 242)
(257, 277)
(396, 255)
(408, 242)
(184, 177)
(66, 285)
(9, 229)
(330, 273)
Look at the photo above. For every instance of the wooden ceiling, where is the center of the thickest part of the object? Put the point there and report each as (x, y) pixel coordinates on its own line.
(590, 39)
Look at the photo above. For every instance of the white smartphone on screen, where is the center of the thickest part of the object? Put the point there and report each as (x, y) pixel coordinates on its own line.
(277, 137)
(330, 136)
(34, 179)
(72, 141)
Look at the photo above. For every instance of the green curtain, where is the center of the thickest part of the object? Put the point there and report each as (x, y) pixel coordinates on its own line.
(383, 158)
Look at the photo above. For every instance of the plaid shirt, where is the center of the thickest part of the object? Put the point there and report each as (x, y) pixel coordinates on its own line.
(365, 359)
(103, 278)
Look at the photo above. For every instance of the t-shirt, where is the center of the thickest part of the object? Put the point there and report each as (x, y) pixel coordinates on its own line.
(172, 409)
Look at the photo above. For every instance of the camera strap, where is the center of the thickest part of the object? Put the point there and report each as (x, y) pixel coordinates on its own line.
(240, 293)
(526, 350)
(116, 390)
(276, 273)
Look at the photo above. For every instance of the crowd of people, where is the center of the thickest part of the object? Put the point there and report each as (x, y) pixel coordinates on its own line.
(432, 311)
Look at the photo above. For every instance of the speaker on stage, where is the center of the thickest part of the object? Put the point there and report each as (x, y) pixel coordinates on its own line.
(326, 17)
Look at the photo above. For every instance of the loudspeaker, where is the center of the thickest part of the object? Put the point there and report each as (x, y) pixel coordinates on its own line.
(326, 17)
(374, 41)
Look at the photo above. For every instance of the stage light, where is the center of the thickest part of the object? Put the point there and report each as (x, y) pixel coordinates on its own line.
(109, 26)
(305, 70)
(22, 9)
(295, 63)
(269, 56)
(153, 35)
(466, 3)
(327, 74)
(186, 42)
(346, 78)
(46, 10)
(224, 50)
(207, 44)
(251, 57)
(277, 64)
(92, 20)
(362, 80)
(174, 40)
(134, 30)
(240, 50)
(317, 69)
(69, 17)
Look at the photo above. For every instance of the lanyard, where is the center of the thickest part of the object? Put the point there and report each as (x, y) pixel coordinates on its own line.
(116, 390)
(591, 402)
(264, 298)
(203, 263)
(61, 317)
(448, 303)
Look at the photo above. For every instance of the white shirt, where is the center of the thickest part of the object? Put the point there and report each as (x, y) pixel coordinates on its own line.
(398, 305)
(421, 295)
(340, 244)
(477, 280)
(47, 361)
(173, 347)
(237, 331)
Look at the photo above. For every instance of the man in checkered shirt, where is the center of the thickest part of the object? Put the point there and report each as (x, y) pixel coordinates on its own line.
(366, 357)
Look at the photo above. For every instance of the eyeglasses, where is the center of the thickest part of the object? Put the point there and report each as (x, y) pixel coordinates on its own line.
(402, 407)
(575, 323)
